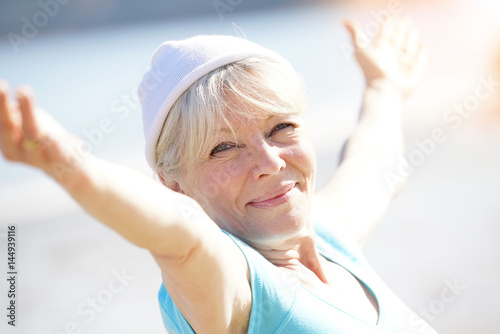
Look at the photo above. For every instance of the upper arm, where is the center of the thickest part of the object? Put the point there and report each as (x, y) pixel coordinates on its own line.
(359, 190)
(368, 177)
(210, 284)
(204, 271)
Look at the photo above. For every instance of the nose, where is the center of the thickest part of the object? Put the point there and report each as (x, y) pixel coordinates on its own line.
(266, 160)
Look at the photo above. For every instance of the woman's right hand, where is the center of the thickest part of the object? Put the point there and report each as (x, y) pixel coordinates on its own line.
(30, 135)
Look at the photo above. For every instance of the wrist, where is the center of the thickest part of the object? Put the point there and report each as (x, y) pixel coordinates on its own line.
(71, 172)
(383, 103)
(386, 87)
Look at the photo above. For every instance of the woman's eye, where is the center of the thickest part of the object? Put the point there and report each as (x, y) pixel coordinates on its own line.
(221, 147)
(282, 126)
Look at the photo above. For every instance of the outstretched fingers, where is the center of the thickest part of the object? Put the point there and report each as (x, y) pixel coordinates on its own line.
(387, 31)
(25, 96)
(33, 143)
(420, 60)
(403, 27)
(6, 117)
(30, 135)
(358, 38)
(394, 32)
(20, 135)
(412, 42)
(9, 131)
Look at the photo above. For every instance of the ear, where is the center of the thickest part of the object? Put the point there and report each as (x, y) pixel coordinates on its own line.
(168, 181)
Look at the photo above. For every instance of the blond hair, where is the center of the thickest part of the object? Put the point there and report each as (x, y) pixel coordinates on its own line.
(250, 88)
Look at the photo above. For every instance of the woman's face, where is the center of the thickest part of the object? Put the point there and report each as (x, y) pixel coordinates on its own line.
(257, 184)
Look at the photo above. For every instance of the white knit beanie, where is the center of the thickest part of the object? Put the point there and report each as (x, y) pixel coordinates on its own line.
(176, 65)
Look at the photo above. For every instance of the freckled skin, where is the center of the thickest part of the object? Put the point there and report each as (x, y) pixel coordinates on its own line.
(267, 155)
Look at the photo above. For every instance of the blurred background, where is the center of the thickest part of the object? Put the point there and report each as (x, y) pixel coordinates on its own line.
(85, 58)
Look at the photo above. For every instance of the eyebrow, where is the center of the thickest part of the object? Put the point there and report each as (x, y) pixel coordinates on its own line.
(270, 117)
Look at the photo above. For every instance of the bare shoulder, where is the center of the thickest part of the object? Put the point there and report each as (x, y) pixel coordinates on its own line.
(211, 284)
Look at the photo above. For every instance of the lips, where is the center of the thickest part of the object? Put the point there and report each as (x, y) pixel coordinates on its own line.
(274, 198)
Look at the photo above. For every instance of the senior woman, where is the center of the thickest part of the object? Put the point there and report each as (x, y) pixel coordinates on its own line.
(235, 234)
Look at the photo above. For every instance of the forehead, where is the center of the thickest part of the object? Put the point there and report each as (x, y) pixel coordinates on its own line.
(235, 121)
(244, 108)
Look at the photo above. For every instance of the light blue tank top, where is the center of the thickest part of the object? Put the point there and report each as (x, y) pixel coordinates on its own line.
(280, 305)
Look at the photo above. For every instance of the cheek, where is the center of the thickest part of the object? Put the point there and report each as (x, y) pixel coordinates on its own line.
(216, 185)
(303, 156)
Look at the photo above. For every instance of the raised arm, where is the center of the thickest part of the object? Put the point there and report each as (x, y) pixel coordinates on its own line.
(392, 65)
(108, 192)
(203, 269)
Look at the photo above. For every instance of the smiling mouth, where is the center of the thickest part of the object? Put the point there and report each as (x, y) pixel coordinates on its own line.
(271, 201)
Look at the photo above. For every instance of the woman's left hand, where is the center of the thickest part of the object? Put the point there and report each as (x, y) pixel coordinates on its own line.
(396, 54)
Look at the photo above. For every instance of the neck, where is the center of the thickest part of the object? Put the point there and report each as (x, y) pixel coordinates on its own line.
(297, 253)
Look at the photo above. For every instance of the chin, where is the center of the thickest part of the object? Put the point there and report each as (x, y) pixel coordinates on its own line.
(281, 228)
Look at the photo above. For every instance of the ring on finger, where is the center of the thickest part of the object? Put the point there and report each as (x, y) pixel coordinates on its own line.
(31, 144)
